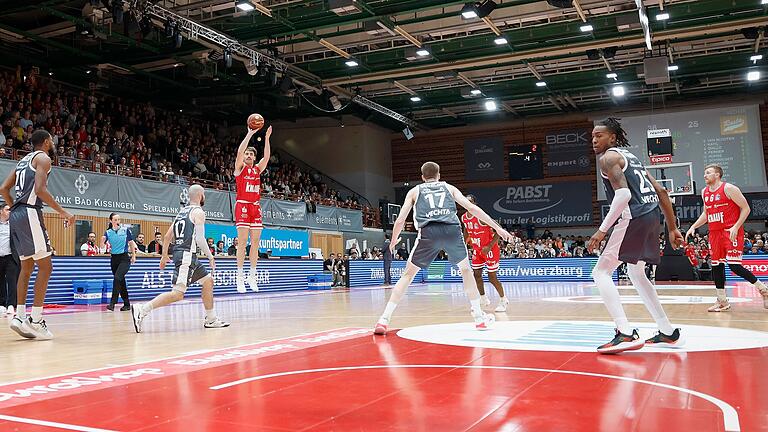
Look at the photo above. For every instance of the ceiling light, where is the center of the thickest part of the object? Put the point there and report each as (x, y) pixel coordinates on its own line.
(673, 68)
(415, 99)
(753, 76)
(619, 91)
(490, 105)
(422, 52)
(351, 63)
(541, 84)
(611, 75)
(500, 41)
(469, 11)
(662, 17)
(245, 6)
(586, 28)
(756, 58)
(764, 2)
(476, 92)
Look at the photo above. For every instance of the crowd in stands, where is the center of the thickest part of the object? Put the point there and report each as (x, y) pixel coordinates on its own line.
(111, 135)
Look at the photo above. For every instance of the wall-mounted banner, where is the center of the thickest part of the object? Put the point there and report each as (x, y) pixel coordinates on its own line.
(96, 191)
(569, 152)
(484, 158)
(543, 205)
(282, 243)
(323, 218)
(284, 213)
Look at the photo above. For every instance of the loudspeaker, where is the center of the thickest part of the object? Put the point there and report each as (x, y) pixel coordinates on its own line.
(484, 8)
(656, 71)
(593, 54)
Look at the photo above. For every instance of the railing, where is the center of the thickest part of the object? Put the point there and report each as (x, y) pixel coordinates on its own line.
(371, 216)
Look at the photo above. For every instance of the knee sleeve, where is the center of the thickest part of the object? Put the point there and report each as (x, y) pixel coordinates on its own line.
(718, 275)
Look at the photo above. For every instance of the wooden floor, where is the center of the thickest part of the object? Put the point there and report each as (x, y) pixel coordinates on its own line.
(98, 338)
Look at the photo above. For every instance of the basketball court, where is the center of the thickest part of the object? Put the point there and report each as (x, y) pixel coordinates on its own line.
(308, 361)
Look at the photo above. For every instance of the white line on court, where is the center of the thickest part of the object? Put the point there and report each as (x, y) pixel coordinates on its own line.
(730, 416)
(52, 424)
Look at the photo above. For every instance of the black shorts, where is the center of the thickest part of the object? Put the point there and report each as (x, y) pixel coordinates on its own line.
(635, 240)
(28, 233)
(435, 237)
(188, 270)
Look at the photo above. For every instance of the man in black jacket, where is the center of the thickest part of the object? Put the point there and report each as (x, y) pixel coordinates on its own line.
(387, 261)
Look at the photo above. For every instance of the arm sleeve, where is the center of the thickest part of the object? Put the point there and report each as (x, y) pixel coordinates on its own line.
(128, 235)
(619, 203)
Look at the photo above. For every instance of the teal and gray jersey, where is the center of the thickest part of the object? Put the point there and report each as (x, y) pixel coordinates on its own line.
(644, 198)
(25, 183)
(184, 231)
(434, 204)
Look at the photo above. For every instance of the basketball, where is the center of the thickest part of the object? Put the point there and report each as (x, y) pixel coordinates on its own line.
(255, 121)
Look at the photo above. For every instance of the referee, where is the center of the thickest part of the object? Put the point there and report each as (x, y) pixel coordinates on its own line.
(9, 267)
(123, 255)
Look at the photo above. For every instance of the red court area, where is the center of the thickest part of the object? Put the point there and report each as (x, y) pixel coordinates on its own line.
(350, 380)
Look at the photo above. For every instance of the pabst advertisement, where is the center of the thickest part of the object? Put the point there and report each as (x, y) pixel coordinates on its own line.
(484, 158)
(569, 152)
(543, 205)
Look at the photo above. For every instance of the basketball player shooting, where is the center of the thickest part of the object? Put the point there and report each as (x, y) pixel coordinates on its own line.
(187, 234)
(434, 215)
(248, 218)
(725, 210)
(28, 234)
(485, 253)
(635, 198)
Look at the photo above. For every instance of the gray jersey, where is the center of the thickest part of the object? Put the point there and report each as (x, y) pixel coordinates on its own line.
(25, 183)
(184, 231)
(434, 204)
(644, 198)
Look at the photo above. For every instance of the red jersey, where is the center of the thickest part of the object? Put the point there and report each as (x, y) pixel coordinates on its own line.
(722, 212)
(249, 184)
(480, 235)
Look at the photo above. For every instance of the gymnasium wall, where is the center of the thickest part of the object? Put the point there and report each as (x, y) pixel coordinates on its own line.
(357, 155)
(446, 147)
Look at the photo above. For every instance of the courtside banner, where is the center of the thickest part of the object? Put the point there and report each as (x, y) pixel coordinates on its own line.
(146, 280)
(757, 264)
(543, 205)
(524, 270)
(370, 273)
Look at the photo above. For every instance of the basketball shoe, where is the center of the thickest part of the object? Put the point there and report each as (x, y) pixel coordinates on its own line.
(660, 339)
(252, 282)
(39, 329)
(502, 307)
(622, 342)
(484, 301)
(381, 327)
(763, 291)
(215, 323)
(138, 318)
(22, 327)
(485, 322)
(720, 306)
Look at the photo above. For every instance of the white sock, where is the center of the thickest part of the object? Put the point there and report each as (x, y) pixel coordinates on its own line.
(760, 286)
(483, 298)
(37, 313)
(475, 308)
(21, 311)
(388, 310)
(721, 294)
(210, 315)
(145, 309)
(611, 299)
(240, 272)
(650, 298)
